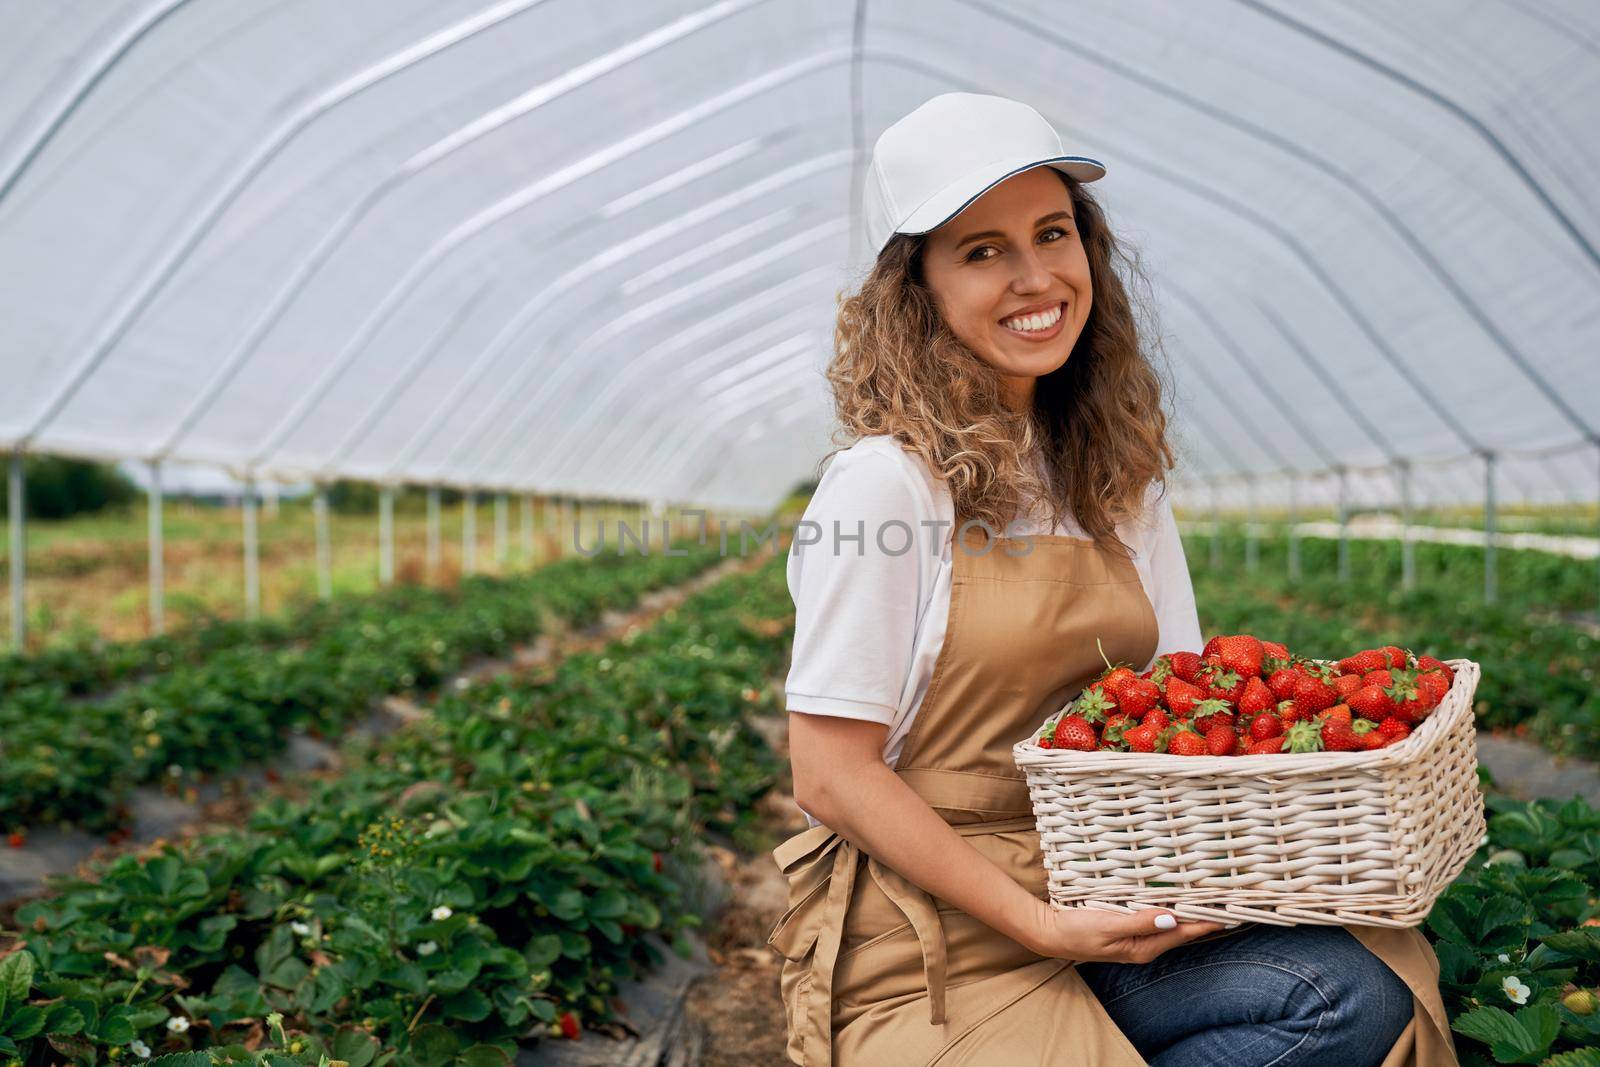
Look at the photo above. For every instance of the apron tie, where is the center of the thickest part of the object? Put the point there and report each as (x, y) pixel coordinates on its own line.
(819, 858)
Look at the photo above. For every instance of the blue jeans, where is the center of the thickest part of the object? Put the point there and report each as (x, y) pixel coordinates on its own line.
(1288, 996)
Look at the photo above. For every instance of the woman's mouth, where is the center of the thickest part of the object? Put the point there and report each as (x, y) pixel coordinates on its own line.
(1038, 326)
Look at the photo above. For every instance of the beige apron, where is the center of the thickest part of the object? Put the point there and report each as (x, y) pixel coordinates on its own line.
(876, 973)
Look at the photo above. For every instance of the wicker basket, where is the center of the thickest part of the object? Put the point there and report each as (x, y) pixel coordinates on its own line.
(1329, 838)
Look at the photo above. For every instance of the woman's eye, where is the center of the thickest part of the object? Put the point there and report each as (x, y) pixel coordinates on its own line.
(973, 257)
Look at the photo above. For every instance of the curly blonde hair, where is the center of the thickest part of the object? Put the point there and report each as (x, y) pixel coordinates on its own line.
(1097, 421)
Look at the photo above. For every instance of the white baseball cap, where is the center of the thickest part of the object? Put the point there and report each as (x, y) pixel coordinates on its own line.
(955, 147)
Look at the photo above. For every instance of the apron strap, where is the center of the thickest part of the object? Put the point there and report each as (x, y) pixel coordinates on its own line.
(815, 923)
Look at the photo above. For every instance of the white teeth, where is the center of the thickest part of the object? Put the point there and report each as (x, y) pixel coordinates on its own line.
(1041, 321)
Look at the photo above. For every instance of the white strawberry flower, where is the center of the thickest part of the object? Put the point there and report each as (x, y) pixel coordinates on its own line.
(177, 1024)
(1503, 958)
(140, 1049)
(1515, 989)
(441, 913)
(427, 948)
(300, 929)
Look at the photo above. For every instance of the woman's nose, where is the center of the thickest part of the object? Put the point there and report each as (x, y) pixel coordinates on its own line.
(1032, 275)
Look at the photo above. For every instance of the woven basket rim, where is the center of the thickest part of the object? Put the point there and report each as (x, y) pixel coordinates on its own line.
(1027, 754)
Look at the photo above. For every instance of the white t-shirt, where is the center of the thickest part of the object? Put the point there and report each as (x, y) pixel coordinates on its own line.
(870, 618)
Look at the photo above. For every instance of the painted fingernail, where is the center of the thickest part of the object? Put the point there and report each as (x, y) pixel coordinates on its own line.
(1165, 922)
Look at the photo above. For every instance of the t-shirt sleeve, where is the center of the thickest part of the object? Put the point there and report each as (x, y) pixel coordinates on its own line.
(857, 597)
(1172, 594)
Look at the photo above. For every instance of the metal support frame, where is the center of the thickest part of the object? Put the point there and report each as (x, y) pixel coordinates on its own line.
(252, 553)
(319, 515)
(469, 532)
(17, 519)
(1216, 529)
(1344, 523)
(1252, 548)
(1408, 553)
(158, 614)
(1490, 576)
(526, 529)
(1294, 521)
(386, 535)
(501, 540)
(433, 532)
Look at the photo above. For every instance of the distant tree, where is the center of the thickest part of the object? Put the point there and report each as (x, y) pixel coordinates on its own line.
(55, 487)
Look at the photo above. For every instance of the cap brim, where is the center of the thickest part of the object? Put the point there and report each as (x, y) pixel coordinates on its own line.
(954, 198)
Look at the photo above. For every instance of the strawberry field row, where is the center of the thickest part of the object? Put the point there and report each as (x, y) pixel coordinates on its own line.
(72, 763)
(1538, 671)
(486, 875)
(1525, 577)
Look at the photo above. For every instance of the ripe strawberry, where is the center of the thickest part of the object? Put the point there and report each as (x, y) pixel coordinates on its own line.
(1276, 651)
(1143, 738)
(1115, 681)
(1241, 654)
(1289, 712)
(1281, 682)
(1161, 670)
(1075, 732)
(1186, 665)
(1222, 684)
(1383, 677)
(1372, 702)
(1210, 712)
(1435, 685)
(1210, 648)
(1393, 731)
(1303, 736)
(1044, 742)
(1256, 698)
(1113, 732)
(1339, 736)
(1340, 712)
(1182, 696)
(1312, 694)
(1371, 739)
(1157, 718)
(1265, 747)
(1138, 696)
(1346, 684)
(1221, 740)
(569, 1026)
(1428, 663)
(16, 839)
(1183, 741)
(1412, 702)
(1397, 656)
(1265, 725)
(1145, 675)
(1370, 659)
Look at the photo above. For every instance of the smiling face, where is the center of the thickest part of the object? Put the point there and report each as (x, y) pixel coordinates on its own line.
(1011, 278)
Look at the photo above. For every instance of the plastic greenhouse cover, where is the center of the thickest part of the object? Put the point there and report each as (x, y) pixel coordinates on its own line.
(595, 247)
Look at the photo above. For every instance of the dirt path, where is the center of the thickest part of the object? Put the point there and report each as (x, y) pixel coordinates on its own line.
(738, 1005)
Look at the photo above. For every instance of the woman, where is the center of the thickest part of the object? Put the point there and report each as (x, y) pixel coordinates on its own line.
(991, 370)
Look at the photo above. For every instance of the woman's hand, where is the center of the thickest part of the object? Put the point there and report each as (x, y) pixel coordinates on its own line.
(1090, 935)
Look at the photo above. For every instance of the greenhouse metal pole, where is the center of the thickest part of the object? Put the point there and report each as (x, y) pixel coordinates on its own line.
(1252, 550)
(527, 530)
(1294, 522)
(252, 553)
(158, 622)
(1344, 524)
(433, 531)
(1489, 590)
(469, 532)
(1216, 530)
(16, 518)
(386, 535)
(501, 541)
(1408, 552)
(319, 515)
